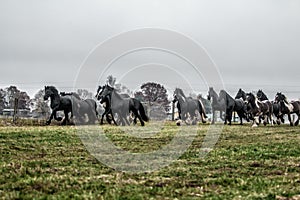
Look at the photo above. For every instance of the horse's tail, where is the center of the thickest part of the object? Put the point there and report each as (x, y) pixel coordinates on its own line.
(202, 109)
(142, 112)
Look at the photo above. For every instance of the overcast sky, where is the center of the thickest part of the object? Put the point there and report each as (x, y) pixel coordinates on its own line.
(254, 43)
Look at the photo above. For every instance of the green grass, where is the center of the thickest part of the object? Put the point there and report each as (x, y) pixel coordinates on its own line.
(247, 163)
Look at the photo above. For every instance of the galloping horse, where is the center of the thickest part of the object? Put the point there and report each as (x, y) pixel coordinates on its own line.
(232, 105)
(105, 101)
(188, 107)
(83, 108)
(288, 108)
(259, 109)
(123, 106)
(261, 96)
(216, 105)
(58, 103)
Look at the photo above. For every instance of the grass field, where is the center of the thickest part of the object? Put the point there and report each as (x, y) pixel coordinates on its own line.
(247, 163)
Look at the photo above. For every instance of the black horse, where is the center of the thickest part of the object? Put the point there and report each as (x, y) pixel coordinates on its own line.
(288, 108)
(233, 105)
(123, 106)
(259, 110)
(216, 105)
(58, 103)
(188, 107)
(261, 96)
(83, 108)
(105, 101)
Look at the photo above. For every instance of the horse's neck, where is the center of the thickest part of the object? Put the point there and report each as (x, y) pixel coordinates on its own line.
(115, 96)
(255, 103)
(181, 99)
(215, 98)
(228, 97)
(55, 100)
(264, 97)
(286, 101)
(287, 104)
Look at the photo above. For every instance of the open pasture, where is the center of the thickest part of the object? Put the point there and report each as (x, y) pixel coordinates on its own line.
(246, 163)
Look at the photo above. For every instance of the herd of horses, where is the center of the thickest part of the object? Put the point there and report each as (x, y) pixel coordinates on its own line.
(121, 109)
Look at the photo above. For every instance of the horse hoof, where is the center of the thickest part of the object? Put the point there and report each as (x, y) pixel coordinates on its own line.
(178, 123)
(254, 125)
(59, 119)
(48, 123)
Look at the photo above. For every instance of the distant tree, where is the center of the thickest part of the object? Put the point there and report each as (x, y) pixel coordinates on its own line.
(118, 86)
(39, 105)
(155, 93)
(12, 93)
(3, 102)
(23, 100)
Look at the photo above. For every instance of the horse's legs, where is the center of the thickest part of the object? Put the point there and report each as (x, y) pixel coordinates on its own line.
(48, 122)
(297, 122)
(113, 118)
(241, 118)
(271, 119)
(53, 114)
(203, 117)
(134, 120)
(255, 121)
(66, 119)
(213, 116)
(265, 118)
(229, 118)
(290, 119)
(102, 117)
(139, 117)
(126, 121)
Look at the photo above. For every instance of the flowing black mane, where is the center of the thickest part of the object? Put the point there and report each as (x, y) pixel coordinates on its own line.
(180, 92)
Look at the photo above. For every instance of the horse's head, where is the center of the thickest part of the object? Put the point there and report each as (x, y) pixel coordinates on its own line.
(240, 94)
(259, 94)
(210, 93)
(49, 91)
(280, 97)
(250, 98)
(177, 94)
(106, 91)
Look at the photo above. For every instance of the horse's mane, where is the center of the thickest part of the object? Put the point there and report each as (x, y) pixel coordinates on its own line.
(225, 94)
(52, 88)
(180, 92)
(71, 94)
